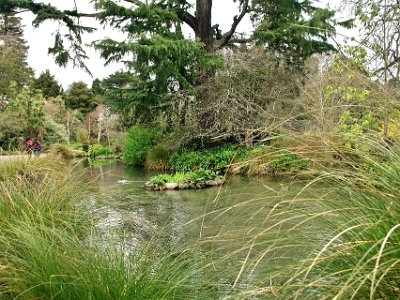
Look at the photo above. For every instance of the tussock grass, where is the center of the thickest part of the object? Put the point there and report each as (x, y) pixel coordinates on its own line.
(62, 150)
(335, 237)
(50, 250)
(360, 258)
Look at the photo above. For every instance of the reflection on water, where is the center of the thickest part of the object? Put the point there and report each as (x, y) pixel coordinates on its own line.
(127, 206)
(247, 226)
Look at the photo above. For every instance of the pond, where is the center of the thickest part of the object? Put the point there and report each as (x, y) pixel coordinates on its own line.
(124, 198)
(241, 221)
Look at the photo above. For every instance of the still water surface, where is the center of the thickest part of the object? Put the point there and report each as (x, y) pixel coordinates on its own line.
(247, 226)
(129, 207)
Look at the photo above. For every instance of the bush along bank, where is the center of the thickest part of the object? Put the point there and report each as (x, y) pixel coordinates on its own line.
(202, 168)
(197, 179)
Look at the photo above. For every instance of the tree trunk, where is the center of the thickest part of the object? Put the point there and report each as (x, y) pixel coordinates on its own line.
(89, 128)
(100, 121)
(204, 33)
(68, 128)
(204, 30)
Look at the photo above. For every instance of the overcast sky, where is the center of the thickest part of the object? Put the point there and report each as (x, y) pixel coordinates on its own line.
(40, 39)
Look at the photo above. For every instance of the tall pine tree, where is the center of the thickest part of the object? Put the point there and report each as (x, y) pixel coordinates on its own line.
(79, 96)
(13, 55)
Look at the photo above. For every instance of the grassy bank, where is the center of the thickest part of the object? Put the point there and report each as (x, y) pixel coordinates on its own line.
(49, 248)
(359, 258)
(339, 240)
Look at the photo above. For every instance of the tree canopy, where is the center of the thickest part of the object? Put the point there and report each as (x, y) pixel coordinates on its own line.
(160, 56)
(13, 55)
(283, 24)
(47, 83)
(80, 97)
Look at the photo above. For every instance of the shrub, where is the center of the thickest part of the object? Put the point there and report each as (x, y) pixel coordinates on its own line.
(98, 150)
(268, 160)
(158, 158)
(54, 132)
(196, 176)
(288, 162)
(161, 179)
(201, 175)
(137, 143)
(216, 159)
(82, 135)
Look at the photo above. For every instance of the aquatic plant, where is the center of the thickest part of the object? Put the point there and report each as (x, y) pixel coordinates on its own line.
(217, 159)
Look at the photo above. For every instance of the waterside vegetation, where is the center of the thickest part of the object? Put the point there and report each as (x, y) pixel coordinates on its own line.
(279, 101)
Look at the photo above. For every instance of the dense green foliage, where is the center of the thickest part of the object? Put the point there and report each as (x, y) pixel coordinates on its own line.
(24, 116)
(48, 85)
(13, 57)
(98, 150)
(216, 159)
(294, 29)
(78, 96)
(138, 142)
(167, 72)
(287, 162)
(190, 179)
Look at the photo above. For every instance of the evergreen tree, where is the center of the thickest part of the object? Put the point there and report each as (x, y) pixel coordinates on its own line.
(122, 96)
(13, 55)
(24, 116)
(48, 85)
(293, 29)
(164, 61)
(155, 37)
(97, 88)
(80, 97)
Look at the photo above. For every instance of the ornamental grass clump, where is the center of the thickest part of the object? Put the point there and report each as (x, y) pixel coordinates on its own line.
(358, 256)
(334, 237)
(49, 248)
(361, 257)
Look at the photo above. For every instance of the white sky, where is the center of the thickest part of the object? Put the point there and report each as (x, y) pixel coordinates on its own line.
(40, 39)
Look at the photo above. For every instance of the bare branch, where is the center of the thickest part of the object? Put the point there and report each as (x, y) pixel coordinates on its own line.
(236, 20)
(241, 41)
(136, 2)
